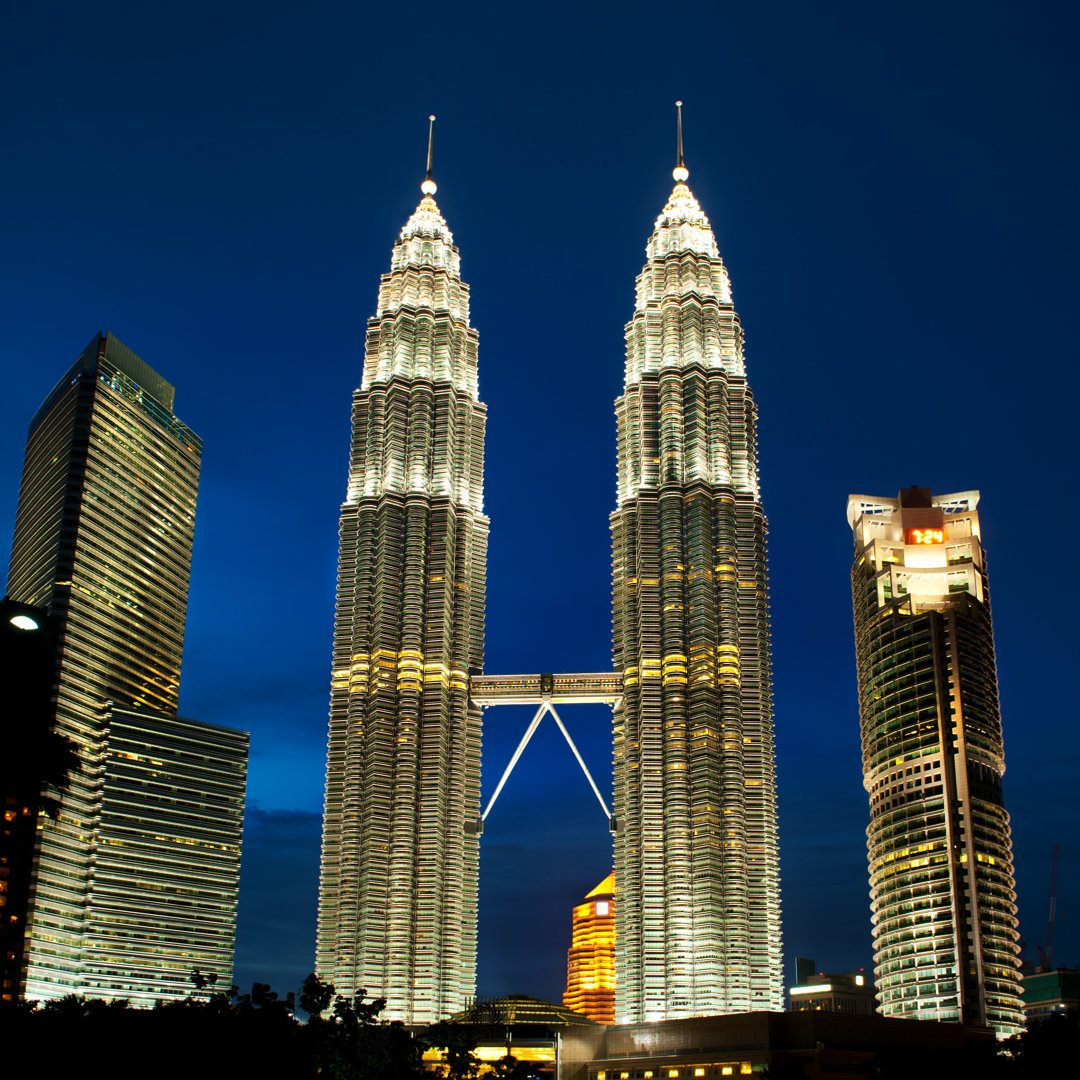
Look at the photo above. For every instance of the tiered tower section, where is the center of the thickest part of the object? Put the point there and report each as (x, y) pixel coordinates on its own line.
(398, 892)
(696, 857)
(942, 892)
(590, 962)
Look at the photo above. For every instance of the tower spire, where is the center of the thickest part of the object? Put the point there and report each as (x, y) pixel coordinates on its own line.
(428, 186)
(680, 172)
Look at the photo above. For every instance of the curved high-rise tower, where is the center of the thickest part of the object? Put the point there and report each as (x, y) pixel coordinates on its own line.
(696, 857)
(942, 891)
(397, 901)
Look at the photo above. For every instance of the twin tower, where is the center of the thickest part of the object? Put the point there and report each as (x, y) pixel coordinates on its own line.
(694, 817)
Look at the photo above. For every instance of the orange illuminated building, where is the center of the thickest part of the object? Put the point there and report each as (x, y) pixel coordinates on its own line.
(590, 963)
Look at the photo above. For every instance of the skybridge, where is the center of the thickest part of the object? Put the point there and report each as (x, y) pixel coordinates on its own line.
(545, 691)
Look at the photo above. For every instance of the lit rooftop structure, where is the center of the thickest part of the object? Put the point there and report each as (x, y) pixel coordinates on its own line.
(590, 962)
(850, 993)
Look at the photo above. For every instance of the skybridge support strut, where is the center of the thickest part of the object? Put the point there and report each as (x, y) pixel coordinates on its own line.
(544, 690)
(580, 761)
(529, 732)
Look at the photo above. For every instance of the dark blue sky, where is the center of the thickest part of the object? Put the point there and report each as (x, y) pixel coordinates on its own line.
(893, 188)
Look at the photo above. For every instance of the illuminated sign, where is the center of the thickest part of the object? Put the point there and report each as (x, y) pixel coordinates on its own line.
(926, 536)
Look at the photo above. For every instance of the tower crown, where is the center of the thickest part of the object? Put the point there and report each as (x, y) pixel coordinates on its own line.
(682, 226)
(422, 303)
(425, 275)
(426, 240)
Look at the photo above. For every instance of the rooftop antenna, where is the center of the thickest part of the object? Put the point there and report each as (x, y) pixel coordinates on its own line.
(680, 172)
(428, 186)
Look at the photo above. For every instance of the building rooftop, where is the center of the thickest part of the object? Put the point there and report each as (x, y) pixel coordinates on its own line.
(520, 1009)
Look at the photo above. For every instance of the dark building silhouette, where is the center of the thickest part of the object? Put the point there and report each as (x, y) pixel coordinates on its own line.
(28, 752)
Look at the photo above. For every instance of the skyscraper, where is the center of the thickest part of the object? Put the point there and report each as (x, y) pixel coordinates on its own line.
(696, 856)
(590, 963)
(942, 892)
(166, 846)
(398, 885)
(103, 540)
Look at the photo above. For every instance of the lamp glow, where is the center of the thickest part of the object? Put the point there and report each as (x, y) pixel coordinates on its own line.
(24, 622)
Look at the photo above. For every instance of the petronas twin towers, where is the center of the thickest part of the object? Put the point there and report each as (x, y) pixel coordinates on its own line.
(397, 899)
(694, 821)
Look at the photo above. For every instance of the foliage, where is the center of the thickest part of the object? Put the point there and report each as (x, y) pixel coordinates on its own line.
(38, 763)
(214, 1035)
(458, 1041)
(1049, 1049)
(315, 996)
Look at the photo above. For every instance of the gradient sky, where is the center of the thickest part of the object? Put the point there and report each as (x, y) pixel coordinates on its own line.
(894, 190)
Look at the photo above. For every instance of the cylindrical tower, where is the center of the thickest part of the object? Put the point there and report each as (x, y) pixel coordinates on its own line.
(942, 892)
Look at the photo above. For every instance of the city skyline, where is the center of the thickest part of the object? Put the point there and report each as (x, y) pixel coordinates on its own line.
(899, 249)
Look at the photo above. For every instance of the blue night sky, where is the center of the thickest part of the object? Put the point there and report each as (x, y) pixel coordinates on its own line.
(893, 188)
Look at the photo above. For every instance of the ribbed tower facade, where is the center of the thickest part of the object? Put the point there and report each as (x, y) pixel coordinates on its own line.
(398, 886)
(127, 896)
(590, 962)
(942, 890)
(696, 855)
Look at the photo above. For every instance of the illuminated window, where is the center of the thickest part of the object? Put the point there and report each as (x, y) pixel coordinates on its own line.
(602, 907)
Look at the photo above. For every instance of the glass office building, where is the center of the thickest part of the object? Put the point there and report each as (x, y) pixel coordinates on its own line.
(103, 540)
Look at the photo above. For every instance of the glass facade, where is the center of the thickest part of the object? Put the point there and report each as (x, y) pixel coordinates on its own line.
(942, 891)
(166, 857)
(398, 884)
(696, 852)
(103, 541)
